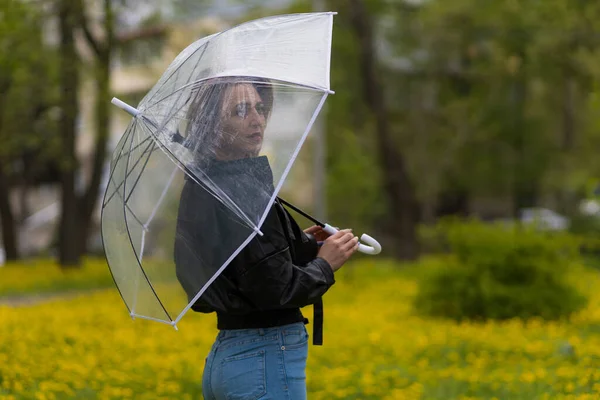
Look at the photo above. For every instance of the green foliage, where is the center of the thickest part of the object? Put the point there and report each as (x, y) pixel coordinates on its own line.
(498, 94)
(354, 190)
(586, 226)
(28, 86)
(491, 98)
(587, 229)
(353, 174)
(500, 272)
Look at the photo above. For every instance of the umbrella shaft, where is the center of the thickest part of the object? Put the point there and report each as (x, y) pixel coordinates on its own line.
(299, 211)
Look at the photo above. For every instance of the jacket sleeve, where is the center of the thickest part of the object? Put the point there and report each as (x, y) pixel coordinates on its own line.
(275, 282)
(269, 272)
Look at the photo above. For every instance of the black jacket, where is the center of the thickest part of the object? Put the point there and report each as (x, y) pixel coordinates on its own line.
(272, 277)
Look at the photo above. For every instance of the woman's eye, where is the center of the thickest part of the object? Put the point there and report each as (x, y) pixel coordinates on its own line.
(241, 110)
(260, 109)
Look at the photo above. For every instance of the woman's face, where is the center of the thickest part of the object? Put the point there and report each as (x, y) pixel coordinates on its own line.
(243, 123)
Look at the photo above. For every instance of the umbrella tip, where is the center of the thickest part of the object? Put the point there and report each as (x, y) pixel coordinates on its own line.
(124, 106)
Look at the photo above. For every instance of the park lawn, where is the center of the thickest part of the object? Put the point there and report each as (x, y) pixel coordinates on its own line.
(374, 348)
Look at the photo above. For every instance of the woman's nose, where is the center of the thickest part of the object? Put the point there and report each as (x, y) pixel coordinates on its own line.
(256, 118)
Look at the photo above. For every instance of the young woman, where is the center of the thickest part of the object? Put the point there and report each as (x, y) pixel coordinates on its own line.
(262, 345)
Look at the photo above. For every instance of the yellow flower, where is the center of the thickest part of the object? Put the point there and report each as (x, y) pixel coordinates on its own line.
(375, 347)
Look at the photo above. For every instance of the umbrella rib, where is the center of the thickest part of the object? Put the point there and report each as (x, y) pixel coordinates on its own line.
(179, 66)
(137, 146)
(134, 315)
(102, 236)
(286, 83)
(191, 74)
(112, 170)
(327, 78)
(121, 154)
(293, 158)
(129, 172)
(141, 172)
(160, 200)
(212, 279)
(152, 214)
(196, 66)
(219, 194)
(125, 207)
(134, 216)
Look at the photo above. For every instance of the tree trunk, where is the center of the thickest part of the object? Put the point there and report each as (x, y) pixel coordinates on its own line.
(9, 228)
(525, 183)
(69, 251)
(7, 218)
(568, 112)
(103, 52)
(102, 125)
(566, 200)
(400, 193)
(453, 201)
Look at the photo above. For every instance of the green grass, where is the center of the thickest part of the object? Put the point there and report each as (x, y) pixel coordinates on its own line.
(44, 276)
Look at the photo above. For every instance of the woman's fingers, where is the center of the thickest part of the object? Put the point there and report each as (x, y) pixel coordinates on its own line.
(346, 241)
(351, 244)
(341, 237)
(313, 229)
(341, 233)
(317, 232)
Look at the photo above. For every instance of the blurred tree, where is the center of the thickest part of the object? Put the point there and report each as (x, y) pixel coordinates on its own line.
(78, 206)
(461, 100)
(95, 21)
(441, 103)
(499, 100)
(102, 46)
(402, 207)
(69, 252)
(27, 112)
(188, 9)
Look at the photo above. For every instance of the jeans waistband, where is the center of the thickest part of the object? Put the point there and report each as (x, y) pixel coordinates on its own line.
(229, 333)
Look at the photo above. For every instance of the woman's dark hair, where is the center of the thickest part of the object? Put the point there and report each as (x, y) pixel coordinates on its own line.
(203, 131)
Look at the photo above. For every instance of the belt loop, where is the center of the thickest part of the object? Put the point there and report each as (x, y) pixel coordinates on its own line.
(261, 331)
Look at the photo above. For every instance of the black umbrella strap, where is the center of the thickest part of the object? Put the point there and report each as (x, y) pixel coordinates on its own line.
(318, 323)
(301, 212)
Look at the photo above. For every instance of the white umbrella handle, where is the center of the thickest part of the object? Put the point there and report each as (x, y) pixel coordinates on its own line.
(372, 246)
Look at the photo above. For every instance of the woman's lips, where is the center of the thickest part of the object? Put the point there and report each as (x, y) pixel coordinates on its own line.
(255, 137)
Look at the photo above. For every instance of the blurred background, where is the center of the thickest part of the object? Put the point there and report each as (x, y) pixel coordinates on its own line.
(463, 134)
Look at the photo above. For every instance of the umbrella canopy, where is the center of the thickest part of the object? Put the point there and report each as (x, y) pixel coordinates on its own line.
(209, 147)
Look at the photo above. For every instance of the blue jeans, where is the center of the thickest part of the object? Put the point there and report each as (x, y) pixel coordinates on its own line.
(253, 364)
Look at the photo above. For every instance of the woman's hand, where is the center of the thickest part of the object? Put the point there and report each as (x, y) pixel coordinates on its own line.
(338, 248)
(318, 232)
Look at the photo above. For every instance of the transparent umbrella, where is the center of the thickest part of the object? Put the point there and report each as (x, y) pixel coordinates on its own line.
(205, 155)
